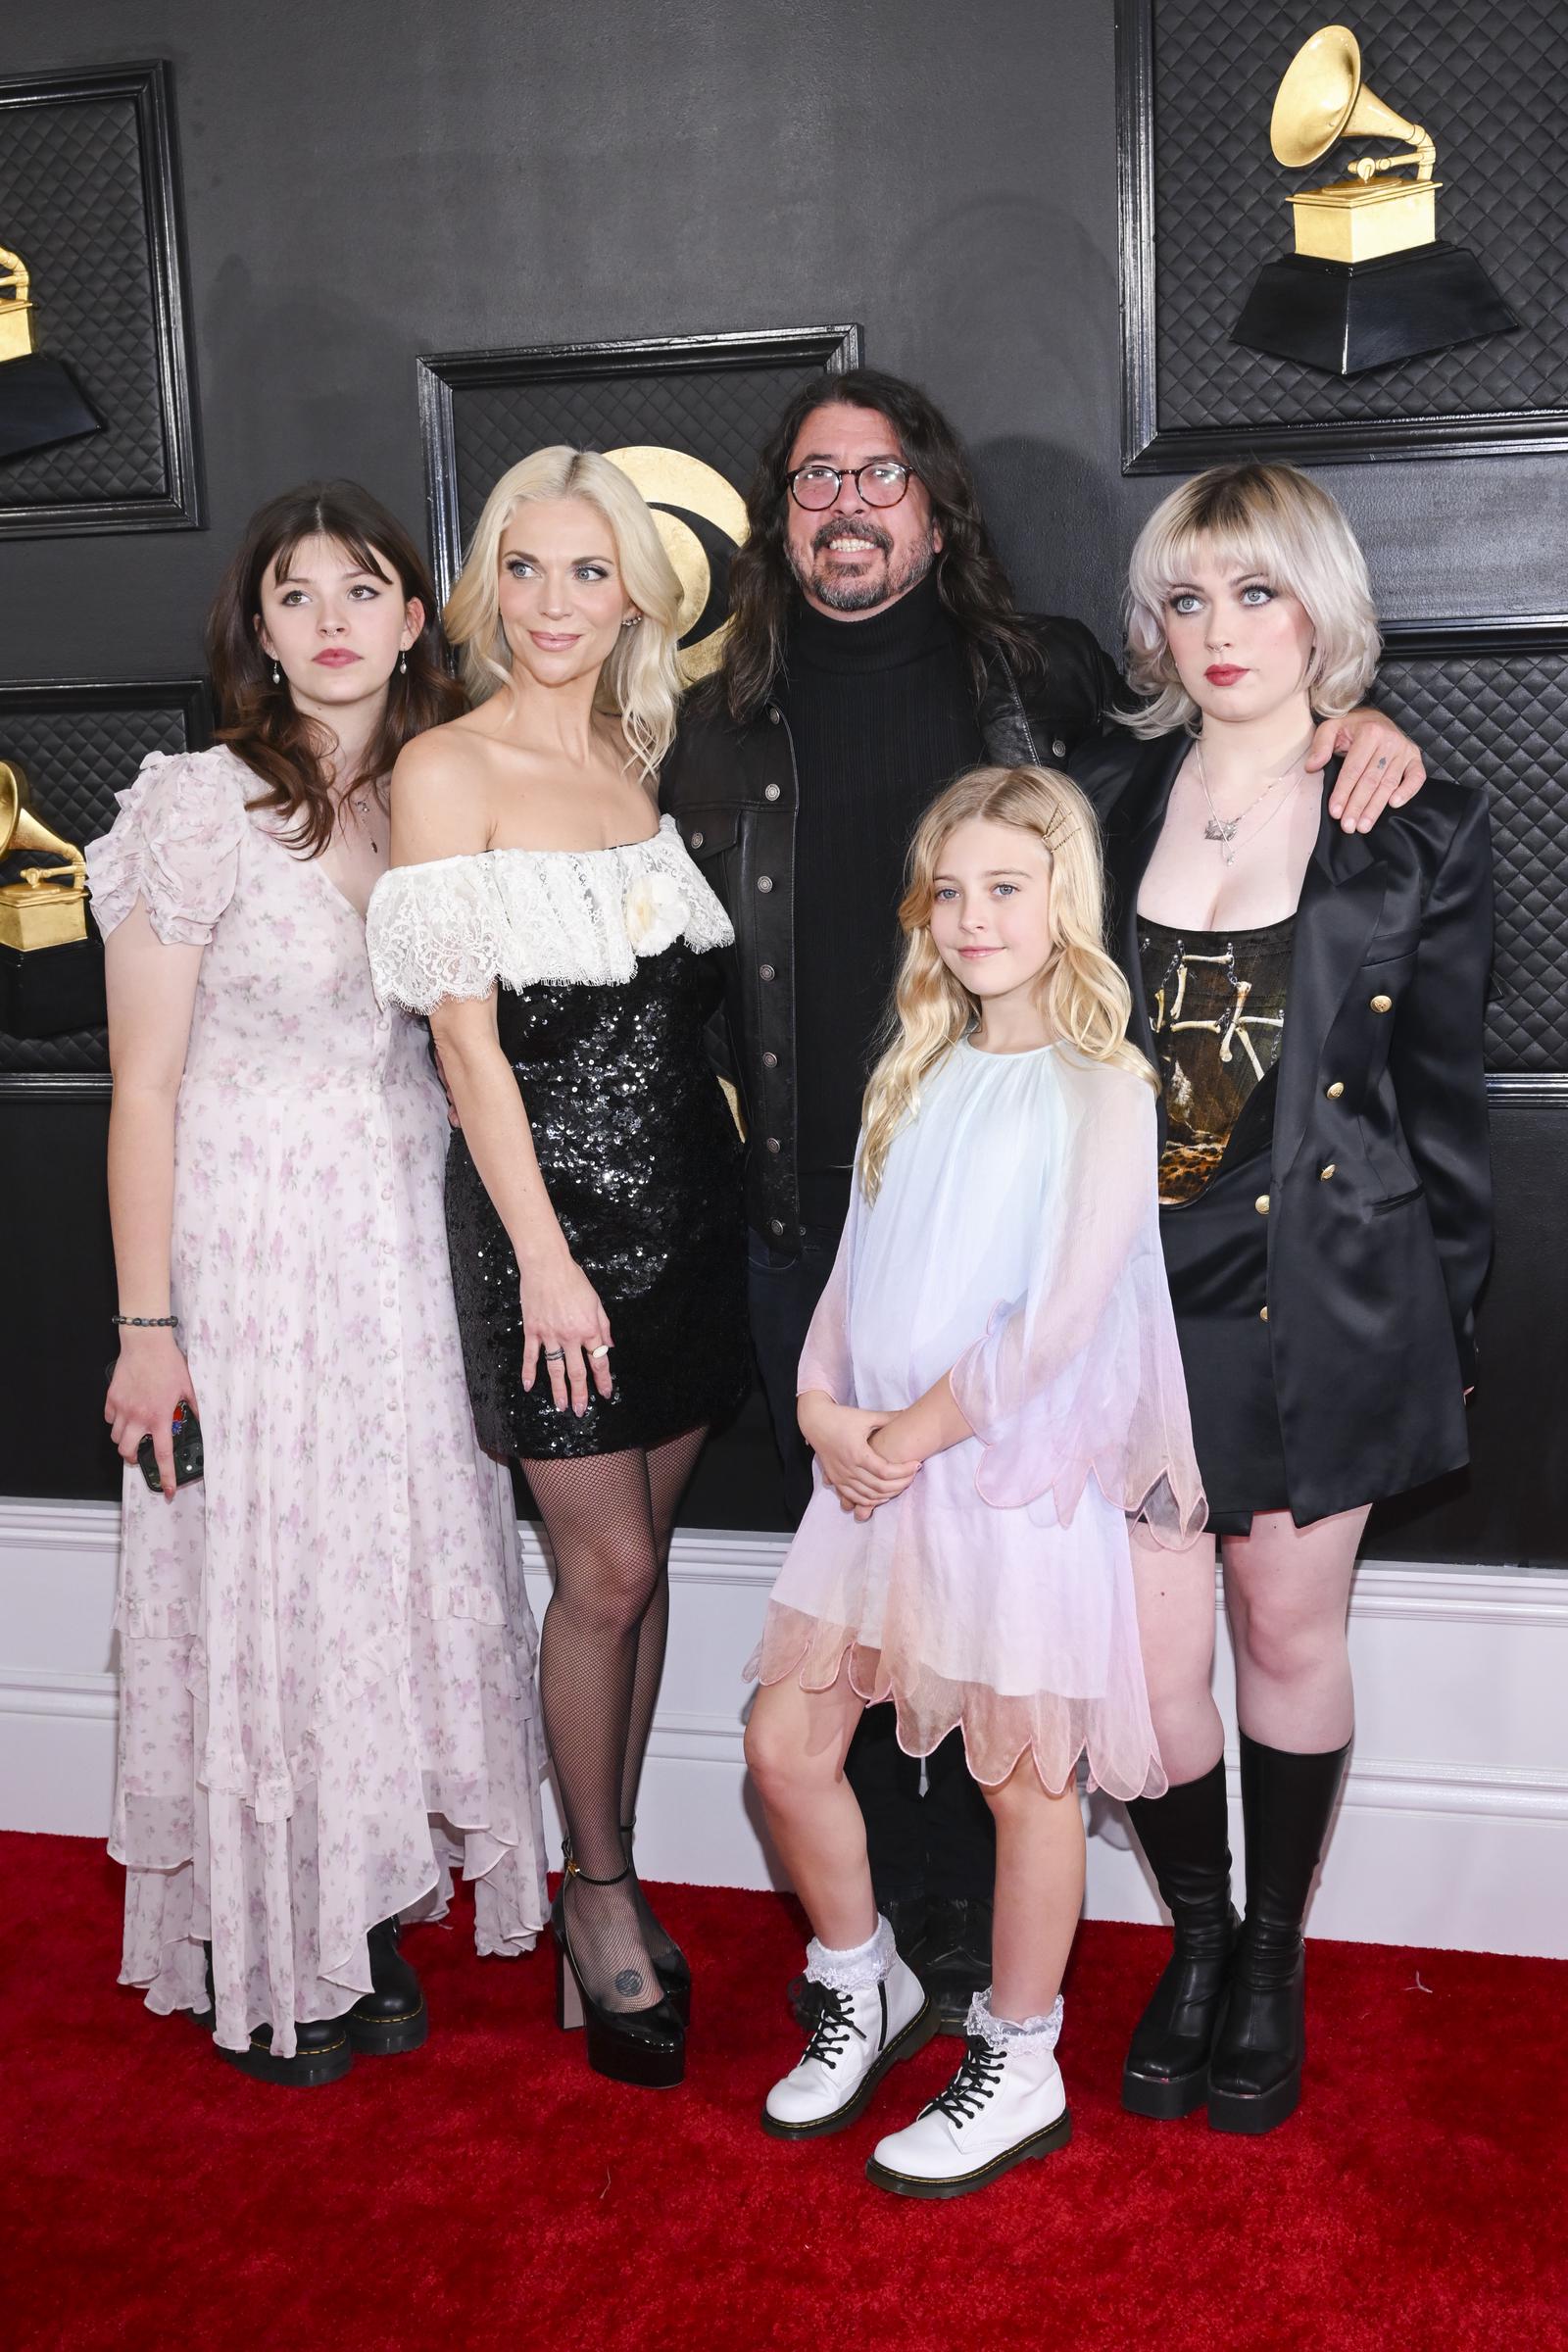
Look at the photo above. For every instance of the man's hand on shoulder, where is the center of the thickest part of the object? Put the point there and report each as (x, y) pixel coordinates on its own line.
(1383, 769)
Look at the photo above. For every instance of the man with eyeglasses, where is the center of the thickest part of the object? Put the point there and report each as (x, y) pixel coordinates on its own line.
(875, 651)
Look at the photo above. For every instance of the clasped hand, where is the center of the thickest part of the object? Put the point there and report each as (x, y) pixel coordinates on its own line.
(861, 1472)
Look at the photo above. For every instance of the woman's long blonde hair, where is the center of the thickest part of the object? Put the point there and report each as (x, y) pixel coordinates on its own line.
(639, 683)
(1083, 996)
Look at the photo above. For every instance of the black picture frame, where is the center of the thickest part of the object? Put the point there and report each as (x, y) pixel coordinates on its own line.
(1148, 447)
(156, 393)
(114, 723)
(445, 377)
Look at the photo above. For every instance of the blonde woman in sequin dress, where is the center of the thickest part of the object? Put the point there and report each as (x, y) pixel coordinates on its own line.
(564, 948)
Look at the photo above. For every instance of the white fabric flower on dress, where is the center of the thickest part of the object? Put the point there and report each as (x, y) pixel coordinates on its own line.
(655, 913)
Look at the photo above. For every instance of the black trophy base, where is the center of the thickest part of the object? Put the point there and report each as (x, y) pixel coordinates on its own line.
(40, 405)
(52, 991)
(1346, 316)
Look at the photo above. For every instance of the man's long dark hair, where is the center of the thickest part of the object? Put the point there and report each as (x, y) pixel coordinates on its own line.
(258, 719)
(970, 579)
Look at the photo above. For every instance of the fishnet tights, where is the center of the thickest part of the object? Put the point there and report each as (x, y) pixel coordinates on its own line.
(608, 1518)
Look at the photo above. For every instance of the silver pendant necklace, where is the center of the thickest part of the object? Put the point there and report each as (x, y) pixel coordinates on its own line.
(1224, 829)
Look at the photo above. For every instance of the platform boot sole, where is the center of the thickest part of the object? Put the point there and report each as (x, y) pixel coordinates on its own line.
(908, 2184)
(1250, 2113)
(389, 2036)
(1164, 2099)
(922, 2028)
(307, 2070)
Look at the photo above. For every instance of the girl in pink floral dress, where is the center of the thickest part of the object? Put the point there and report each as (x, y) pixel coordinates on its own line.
(326, 1652)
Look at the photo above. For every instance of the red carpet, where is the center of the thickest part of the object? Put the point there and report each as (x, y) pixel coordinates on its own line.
(490, 2191)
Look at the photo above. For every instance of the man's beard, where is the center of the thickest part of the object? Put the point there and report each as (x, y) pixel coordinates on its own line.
(877, 586)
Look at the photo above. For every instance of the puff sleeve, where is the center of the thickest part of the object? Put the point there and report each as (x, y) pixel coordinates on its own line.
(1083, 1374)
(174, 845)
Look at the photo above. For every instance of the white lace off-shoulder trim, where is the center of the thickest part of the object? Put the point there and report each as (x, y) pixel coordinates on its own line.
(456, 926)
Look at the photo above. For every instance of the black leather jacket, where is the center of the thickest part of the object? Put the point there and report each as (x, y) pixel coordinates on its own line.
(732, 790)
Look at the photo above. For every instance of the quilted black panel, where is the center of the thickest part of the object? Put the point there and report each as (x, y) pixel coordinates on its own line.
(71, 204)
(1490, 83)
(1502, 720)
(76, 754)
(721, 415)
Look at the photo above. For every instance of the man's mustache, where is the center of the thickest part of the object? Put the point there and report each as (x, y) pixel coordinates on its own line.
(859, 528)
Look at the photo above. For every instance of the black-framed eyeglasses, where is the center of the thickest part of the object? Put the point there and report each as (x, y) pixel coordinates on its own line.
(881, 484)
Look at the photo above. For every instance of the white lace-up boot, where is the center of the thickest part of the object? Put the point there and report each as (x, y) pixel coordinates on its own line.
(867, 2011)
(1007, 2102)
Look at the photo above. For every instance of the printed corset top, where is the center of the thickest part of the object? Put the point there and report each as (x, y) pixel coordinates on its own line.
(1216, 1005)
(460, 926)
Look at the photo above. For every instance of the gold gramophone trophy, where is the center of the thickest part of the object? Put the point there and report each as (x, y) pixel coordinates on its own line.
(1370, 281)
(51, 967)
(40, 400)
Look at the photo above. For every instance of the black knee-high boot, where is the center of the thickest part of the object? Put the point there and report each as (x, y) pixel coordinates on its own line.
(1186, 1837)
(1255, 2071)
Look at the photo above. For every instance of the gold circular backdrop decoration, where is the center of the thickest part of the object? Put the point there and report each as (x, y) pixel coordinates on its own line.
(669, 477)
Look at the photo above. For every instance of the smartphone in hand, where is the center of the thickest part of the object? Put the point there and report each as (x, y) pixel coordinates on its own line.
(187, 1436)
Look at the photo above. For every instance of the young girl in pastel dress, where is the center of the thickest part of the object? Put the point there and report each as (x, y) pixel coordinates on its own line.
(992, 1388)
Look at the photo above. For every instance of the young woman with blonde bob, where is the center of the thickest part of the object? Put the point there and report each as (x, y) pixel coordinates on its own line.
(992, 1388)
(1312, 999)
(564, 948)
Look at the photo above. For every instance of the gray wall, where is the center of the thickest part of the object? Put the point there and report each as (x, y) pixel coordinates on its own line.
(368, 180)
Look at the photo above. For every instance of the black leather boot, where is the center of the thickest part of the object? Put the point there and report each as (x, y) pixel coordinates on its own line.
(391, 2017)
(1254, 2071)
(321, 2054)
(1185, 1835)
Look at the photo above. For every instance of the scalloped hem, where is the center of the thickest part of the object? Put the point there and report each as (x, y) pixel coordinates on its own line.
(998, 1730)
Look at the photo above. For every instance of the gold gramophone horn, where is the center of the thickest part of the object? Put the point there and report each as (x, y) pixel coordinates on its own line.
(48, 906)
(1323, 98)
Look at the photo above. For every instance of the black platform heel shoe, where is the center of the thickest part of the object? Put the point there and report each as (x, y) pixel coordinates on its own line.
(670, 1966)
(1184, 1834)
(645, 2046)
(392, 2017)
(1255, 2071)
(321, 2054)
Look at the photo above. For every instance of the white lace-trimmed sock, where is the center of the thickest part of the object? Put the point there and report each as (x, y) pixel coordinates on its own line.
(856, 1969)
(1001, 2033)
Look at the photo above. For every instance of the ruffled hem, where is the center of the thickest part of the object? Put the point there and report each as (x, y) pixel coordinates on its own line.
(998, 1729)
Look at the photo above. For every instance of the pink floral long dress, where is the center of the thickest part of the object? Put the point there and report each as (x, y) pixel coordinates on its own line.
(325, 1652)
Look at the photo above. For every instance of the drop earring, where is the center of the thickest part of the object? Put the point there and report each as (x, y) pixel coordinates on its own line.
(277, 675)
(403, 664)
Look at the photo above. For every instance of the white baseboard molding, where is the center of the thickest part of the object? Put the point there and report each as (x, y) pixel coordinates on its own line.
(1452, 1829)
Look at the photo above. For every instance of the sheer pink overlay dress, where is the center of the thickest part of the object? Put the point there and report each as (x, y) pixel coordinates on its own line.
(1014, 1241)
(325, 1650)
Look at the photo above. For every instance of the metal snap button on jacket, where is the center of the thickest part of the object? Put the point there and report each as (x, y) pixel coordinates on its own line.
(771, 792)
(775, 1224)
(696, 841)
(1058, 749)
(1324, 1174)
(766, 970)
(1262, 1314)
(1261, 1204)
(764, 882)
(774, 1143)
(770, 1061)
(1383, 1004)
(1335, 1091)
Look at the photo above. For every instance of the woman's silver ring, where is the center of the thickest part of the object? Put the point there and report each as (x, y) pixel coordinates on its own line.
(602, 1349)
(555, 1356)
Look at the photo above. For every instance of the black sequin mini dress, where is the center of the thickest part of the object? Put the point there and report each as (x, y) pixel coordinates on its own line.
(606, 965)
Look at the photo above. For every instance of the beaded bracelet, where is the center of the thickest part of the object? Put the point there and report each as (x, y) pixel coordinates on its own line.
(149, 1322)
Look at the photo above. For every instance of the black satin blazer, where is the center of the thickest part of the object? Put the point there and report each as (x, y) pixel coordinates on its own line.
(1380, 1198)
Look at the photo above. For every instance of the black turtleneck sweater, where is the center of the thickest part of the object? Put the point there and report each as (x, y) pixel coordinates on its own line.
(882, 715)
